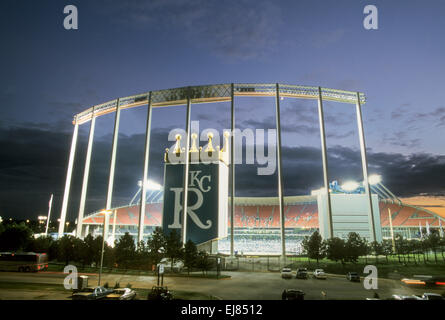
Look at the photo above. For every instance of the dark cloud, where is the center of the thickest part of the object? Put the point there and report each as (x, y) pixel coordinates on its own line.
(33, 164)
(230, 29)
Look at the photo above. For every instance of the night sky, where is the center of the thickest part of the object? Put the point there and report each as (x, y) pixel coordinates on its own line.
(48, 74)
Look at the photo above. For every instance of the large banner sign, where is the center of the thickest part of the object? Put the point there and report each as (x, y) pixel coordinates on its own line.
(207, 200)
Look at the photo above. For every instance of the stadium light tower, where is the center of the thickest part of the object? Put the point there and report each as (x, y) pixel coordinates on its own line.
(375, 179)
(350, 186)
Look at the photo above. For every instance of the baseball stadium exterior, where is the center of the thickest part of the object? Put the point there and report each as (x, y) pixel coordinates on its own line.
(256, 225)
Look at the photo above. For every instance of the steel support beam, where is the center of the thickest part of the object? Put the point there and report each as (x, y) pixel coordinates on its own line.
(324, 155)
(68, 180)
(361, 135)
(86, 174)
(145, 173)
(113, 156)
(280, 174)
(232, 170)
(112, 167)
(186, 170)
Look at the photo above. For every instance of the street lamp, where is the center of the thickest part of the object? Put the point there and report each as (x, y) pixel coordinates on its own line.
(106, 213)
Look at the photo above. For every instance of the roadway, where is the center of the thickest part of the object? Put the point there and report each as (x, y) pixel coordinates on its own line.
(241, 286)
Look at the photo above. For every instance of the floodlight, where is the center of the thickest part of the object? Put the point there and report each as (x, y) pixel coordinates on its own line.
(374, 179)
(350, 186)
(151, 185)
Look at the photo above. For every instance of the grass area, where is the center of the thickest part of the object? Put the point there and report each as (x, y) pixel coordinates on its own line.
(386, 269)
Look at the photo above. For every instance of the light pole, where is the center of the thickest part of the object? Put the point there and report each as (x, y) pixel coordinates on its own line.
(106, 213)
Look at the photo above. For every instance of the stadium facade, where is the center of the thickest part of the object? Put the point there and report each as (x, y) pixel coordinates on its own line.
(270, 225)
(257, 222)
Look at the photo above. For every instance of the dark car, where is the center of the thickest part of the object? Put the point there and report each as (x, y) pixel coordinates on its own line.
(353, 276)
(159, 293)
(301, 273)
(92, 293)
(292, 294)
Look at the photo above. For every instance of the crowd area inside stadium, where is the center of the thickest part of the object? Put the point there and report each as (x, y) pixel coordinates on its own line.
(257, 227)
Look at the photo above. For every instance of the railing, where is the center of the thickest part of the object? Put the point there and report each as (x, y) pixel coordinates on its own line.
(215, 93)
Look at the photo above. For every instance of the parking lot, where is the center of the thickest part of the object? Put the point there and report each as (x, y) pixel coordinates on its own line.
(241, 285)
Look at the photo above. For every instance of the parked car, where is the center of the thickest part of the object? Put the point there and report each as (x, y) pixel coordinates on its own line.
(402, 297)
(159, 293)
(301, 273)
(432, 296)
(286, 273)
(319, 274)
(122, 294)
(353, 276)
(92, 293)
(292, 294)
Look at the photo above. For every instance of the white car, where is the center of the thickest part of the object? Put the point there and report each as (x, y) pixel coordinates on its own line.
(286, 273)
(432, 296)
(401, 297)
(319, 274)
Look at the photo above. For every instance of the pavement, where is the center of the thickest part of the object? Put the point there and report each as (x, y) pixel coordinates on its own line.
(240, 286)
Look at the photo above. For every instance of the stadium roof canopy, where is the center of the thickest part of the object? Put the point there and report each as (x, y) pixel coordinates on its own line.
(216, 93)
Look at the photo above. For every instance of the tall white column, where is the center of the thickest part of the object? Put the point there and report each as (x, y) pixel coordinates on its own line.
(145, 172)
(112, 167)
(68, 180)
(86, 175)
(232, 167)
(50, 204)
(113, 156)
(324, 155)
(361, 135)
(280, 175)
(186, 170)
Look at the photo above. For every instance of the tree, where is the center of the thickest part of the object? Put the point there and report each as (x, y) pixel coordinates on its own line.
(125, 250)
(378, 249)
(190, 255)
(387, 248)
(66, 251)
(398, 239)
(40, 244)
(335, 249)
(80, 251)
(15, 237)
(173, 246)
(433, 242)
(94, 248)
(314, 246)
(203, 262)
(156, 246)
(355, 246)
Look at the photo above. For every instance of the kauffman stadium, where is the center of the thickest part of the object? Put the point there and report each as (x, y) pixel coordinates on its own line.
(257, 222)
(257, 225)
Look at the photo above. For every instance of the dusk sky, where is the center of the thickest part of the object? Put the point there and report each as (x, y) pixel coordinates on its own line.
(49, 74)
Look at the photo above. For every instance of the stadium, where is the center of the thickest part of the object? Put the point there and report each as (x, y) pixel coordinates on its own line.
(257, 222)
(257, 225)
